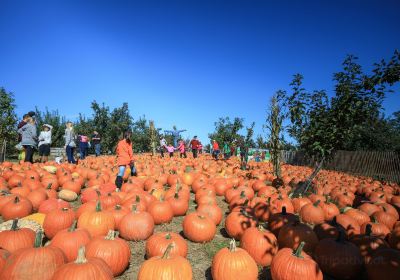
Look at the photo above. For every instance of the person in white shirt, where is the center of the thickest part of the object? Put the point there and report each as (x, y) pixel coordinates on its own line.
(163, 145)
(45, 142)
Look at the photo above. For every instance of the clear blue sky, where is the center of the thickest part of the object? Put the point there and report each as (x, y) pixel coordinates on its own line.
(226, 58)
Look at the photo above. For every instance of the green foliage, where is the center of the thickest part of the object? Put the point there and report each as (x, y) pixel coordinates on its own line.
(56, 120)
(8, 118)
(260, 142)
(249, 135)
(227, 131)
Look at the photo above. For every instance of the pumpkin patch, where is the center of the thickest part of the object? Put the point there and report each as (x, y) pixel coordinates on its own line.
(193, 219)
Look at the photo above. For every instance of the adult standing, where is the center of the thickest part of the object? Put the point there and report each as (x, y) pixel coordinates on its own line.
(23, 122)
(194, 143)
(83, 145)
(45, 142)
(28, 138)
(244, 149)
(216, 151)
(200, 148)
(226, 151)
(96, 143)
(70, 144)
(163, 145)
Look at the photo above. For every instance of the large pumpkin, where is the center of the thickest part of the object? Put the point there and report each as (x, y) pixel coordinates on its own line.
(97, 222)
(84, 268)
(198, 228)
(57, 220)
(158, 243)
(278, 220)
(137, 225)
(38, 263)
(166, 267)
(70, 240)
(291, 235)
(237, 222)
(161, 211)
(112, 250)
(17, 238)
(260, 243)
(233, 263)
(17, 208)
(291, 264)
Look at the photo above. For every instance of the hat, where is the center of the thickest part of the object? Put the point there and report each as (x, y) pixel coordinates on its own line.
(31, 114)
(46, 125)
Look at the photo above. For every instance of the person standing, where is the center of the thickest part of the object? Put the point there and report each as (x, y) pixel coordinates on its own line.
(244, 149)
(171, 149)
(70, 144)
(216, 151)
(181, 148)
(200, 148)
(28, 138)
(96, 143)
(83, 146)
(124, 158)
(163, 145)
(226, 150)
(194, 143)
(45, 142)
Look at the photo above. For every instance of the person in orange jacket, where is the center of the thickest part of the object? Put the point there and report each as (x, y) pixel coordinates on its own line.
(124, 158)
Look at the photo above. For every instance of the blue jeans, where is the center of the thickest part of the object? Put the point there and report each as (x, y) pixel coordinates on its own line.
(97, 149)
(121, 170)
(83, 147)
(70, 154)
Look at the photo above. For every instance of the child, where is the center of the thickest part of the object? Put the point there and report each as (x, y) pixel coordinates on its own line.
(45, 142)
(181, 148)
(170, 150)
(124, 158)
(83, 145)
(215, 147)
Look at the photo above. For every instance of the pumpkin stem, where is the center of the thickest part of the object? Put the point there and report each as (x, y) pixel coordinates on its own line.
(117, 207)
(134, 207)
(38, 239)
(14, 225)
(137, 199)
(98, 206)
(299, 249)
(49, 186)
(317, 203)
(284, 210)
(168, 250)
(81, 256)
(168, 236)
(64, 209)
(110, 235)
(232, 245)
(73, 226)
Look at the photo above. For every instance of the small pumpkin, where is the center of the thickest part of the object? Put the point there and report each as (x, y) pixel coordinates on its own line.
(161, 211)
(233, 263)
(198, 228)
(137, 225)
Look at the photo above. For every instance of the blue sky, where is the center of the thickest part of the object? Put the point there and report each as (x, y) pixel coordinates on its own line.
(184, 62)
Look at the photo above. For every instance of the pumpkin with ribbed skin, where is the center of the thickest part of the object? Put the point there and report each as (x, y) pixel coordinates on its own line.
(233, 263)
(57, 220)
(330, 210)
(113, 250)
(348, 223)
(36, 197)
(118, 213)
(17, 208)
(385, 217)
(384, 264)
(67, 195)
(97, 222)
(238, 221)
(51, 204)
(16, 238)
(260, 243)
(166, 267)
(38, 263)
(312, 213)
(158, 243)
(179, 204)
(291, 235)
(358, 215)
(84, 268)
(70, 240)
(198, 228)
(368, 244)
(278, 220)
(330, 255)
(161, 211)
(213, 211)
(291, 264)
(137, 225)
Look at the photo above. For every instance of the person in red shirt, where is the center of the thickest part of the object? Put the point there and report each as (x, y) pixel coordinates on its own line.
(216, 151)
(194, 143)
(200, 148)
(124, 158)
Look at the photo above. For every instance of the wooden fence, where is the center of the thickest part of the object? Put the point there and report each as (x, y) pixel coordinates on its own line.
(379, 165)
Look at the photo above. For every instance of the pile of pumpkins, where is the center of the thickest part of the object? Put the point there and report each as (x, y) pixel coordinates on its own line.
(69, 221)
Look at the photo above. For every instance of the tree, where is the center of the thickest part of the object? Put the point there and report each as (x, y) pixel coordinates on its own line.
(8, 122)
(226, 131)
(141, 135)
(249, 135)
(260, 142)
(273, 124)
